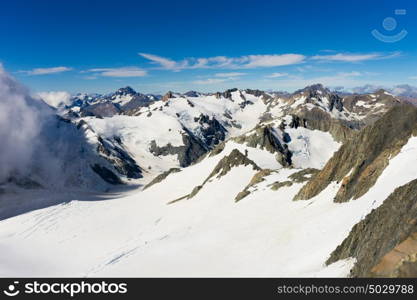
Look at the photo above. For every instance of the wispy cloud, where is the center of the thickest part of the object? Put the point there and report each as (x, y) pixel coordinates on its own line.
(45, 71)
(162, 61)
(338, 79)
(118, 72)
(92, 77)
(349, 74)
(212, 80)
(224, 62)
(276, 75)
(413, 77)
(349, 57)
(255, 61)
(230, 74)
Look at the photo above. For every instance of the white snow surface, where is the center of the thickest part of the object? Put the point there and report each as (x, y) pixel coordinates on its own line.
(311, 148)
(138, 234)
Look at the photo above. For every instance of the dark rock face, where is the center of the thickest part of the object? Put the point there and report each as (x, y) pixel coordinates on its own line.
(234, 159)
(190, 103)
(366, 154)
(311, 89)
(298, 177)
(138, 101)
(375, 240)
(210, 134)
(371, 108)
(245, 103)
(192, 149)
(100, 110)
(211, 131)
(317, 119)
(226, 94)
(161, 177)
(119, 158)
(191, 94)
(167, 96)
(317, 92)
(106, 174)
(125, 91)
(257, 178)
(227, 163)
(400, 261)
(258, 93)
(279, 184)
(303, 175)
(335, 102)
(265, 138)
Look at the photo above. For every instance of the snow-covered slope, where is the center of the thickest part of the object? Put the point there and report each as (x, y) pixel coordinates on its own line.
(204, 184)
(178, 129)
(141, 234)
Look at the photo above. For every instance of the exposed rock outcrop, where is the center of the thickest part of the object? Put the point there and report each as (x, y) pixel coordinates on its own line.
(226, 94)
(234, 159)
(365, 156)
(100, 110)
(257, 178)
(162, 177)
(227, 163)
(188, 153)
(400, 261)
(381, 242)
(370, 107)
(119, 158)
(317, 119)
(303, 175)
(265, 137)
(168, 96)
(211, 131)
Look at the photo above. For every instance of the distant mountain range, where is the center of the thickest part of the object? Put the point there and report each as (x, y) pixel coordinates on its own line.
(235, 183)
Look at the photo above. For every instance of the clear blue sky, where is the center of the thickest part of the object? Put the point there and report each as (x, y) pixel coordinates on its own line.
(155, 46)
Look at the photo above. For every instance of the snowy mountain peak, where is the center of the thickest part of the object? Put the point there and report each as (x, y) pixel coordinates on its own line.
(221, 171)
(125, 91)
(192, 94)
(313, 90)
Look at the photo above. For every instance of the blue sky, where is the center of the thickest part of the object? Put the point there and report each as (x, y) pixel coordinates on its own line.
(155, 46)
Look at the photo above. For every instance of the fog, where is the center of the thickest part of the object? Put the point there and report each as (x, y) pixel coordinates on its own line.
(21, 120)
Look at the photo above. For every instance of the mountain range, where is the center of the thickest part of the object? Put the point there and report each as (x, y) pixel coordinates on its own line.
(232, 183)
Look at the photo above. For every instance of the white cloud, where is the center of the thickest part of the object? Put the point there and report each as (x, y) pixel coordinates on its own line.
(119, 72)
(347, 57)
(45, 71)
(349, 74)
(166, 63)
(21, 119)
(56, 99)
(255, 61)
(413, 77)
(339, 79)
(211, 81)
(223, 62)
(276, 75)
(230, 74)
(92, 77)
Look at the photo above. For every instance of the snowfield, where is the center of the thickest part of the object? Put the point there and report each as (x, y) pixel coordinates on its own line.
(140, 234)
(189, 224)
